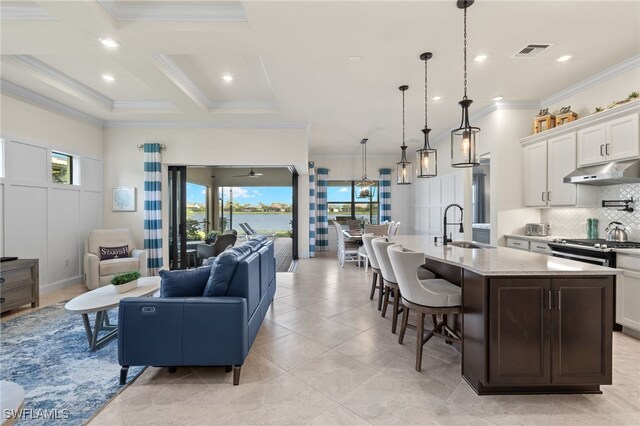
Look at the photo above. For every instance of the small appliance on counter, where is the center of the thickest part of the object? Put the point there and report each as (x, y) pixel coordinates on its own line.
(536, 230)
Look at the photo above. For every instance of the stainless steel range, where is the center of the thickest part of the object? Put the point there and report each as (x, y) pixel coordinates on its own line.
(598, 251)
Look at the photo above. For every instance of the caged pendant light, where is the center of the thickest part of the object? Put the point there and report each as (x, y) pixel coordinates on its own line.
(404, 168)
(366, 188)
(464, 139)
(427, 156)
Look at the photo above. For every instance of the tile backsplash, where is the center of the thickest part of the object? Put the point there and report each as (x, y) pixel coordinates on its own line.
(572, 221)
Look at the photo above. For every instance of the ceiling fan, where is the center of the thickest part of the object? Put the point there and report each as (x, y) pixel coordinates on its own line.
(251, 174)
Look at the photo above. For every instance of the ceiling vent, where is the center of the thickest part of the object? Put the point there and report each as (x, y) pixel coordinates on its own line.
(531, 50)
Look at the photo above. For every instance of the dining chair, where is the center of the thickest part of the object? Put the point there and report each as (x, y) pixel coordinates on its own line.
(376, 283)
(431, 297)
(377, 230)
(345, 254)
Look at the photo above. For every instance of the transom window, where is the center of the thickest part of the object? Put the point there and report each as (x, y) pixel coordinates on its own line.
(61, 168)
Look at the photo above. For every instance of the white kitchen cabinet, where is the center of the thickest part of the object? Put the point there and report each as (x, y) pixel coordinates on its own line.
(546, 163)
(613, 140)
(628, 292)
(537, 247)
(518, 243)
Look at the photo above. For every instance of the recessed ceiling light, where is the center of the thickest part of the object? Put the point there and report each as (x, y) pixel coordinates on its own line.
(436, 98)
(108, 77)
(109, 42)
(564, 58)
(355, 58)
(480, 58)
(498, 98)
(227, 77)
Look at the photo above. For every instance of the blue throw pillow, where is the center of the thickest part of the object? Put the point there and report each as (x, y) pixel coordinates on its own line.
(242, 251)
(221, 272)
(254, 244)
(184, 282)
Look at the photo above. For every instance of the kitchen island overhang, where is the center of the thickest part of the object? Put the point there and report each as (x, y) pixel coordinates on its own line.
(531, 323)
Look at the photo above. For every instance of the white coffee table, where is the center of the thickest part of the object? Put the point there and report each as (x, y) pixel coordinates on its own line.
(100, 301)
(11, 402)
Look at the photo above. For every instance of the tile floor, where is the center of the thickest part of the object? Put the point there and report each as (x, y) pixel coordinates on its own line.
(324, 356)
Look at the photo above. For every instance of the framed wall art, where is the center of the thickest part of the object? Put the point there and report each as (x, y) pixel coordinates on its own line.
(124, 200)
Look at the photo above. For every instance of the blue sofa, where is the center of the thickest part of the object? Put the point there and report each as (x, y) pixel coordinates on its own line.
(183, 327)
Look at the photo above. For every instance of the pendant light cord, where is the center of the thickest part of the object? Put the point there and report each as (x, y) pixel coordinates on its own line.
(465, 51)
(426, 97)
(403, 144)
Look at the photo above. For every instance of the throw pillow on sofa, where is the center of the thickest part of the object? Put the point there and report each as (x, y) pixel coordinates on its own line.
(108, 253)
(221, 272)
(184, 282)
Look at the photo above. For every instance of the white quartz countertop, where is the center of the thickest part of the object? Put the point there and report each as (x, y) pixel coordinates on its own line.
(499, 261)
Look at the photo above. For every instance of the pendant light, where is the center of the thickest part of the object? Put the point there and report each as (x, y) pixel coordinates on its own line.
(427, 156)
(404, 169)
(366, 188)
(463, 139)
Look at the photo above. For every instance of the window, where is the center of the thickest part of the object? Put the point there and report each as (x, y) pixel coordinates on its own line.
(61, 168)
(343, 203)
(197, 211)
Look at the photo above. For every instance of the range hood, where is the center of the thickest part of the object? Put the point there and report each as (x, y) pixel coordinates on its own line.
(613, 173)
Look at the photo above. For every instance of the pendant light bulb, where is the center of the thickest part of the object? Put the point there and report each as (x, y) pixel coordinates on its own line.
(463, 139)
(404, 168)
(427, 156)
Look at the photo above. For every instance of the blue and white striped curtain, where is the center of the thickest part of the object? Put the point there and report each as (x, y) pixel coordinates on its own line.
(385, 194)
(322, 223)
(312, 209)
(153, 206)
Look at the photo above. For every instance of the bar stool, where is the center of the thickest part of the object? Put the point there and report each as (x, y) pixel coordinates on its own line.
(432, 297)
(389, 279)
(377, 282)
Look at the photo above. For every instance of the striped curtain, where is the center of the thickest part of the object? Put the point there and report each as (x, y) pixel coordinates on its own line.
(322, 223)
(312, 209)
(385, 194)
(153, 206)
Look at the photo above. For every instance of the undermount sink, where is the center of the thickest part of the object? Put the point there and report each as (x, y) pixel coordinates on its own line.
(469, 245)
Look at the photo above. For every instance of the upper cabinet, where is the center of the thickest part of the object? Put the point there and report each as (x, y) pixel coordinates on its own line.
(616, 139)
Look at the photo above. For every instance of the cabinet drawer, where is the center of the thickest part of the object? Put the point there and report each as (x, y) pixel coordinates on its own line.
(16, 297)
(540, 248)
(518, 244)
(628, 262)
(16, 276)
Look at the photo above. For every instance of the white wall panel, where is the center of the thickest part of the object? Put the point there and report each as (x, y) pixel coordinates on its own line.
(91, 170)
(90, 215)
(26, 219)
(1, 219)
(64, 235)
(27, 163)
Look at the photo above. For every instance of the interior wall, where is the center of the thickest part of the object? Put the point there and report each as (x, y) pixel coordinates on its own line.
(41, 219)
(222, 147)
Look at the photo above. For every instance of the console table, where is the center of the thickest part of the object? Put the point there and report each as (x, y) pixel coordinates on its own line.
(19, 284)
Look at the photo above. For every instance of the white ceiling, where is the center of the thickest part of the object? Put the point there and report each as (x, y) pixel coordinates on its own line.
(290, 60)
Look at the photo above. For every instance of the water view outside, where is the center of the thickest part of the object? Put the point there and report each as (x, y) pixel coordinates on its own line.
(264, 208)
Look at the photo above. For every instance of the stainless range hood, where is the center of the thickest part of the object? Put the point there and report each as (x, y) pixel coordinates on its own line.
(613, 173)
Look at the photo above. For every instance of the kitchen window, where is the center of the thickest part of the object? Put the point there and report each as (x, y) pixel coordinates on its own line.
(343, 203)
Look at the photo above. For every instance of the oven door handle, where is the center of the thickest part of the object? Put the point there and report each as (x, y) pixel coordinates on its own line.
(604, 262)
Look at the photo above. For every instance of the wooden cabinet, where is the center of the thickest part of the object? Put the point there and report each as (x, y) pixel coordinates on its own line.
(550, 331)
(617, 139)
(546, 163)
(19, 284)
(628, 292)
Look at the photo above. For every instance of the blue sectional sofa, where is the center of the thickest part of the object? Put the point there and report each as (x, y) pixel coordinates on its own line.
(208, 316)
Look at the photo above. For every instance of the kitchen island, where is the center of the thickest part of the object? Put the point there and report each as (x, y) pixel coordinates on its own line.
(531, 323)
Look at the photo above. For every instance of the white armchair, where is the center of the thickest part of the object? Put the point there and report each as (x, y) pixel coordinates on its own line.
(98, 273)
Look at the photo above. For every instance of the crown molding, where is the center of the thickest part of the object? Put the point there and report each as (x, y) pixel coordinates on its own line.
(160, 106)
(594, 80)
(24, 11)
(171, 11)
(63, 81)
(205, 125)
(47, 103)
(175, 74)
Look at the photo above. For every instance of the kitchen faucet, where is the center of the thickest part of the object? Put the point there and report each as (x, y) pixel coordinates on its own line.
(446, 240)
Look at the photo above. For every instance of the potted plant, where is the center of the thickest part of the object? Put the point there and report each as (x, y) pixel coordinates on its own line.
(125, 282)
(633, 96)
(212, 237)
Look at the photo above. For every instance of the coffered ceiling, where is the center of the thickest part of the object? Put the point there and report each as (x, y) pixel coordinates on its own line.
(332, 66)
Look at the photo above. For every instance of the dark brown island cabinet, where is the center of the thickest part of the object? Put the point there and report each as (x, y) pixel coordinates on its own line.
(537, 334)
(19, 284)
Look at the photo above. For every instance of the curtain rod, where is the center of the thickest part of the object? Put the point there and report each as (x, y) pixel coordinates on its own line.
(140, 146)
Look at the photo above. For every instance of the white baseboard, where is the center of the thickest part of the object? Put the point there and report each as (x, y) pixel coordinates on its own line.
(59, 285)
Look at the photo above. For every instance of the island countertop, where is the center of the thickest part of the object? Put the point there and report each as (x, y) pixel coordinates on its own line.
(500, 261)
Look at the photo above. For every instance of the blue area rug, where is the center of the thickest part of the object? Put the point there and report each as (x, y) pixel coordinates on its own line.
(47, 353)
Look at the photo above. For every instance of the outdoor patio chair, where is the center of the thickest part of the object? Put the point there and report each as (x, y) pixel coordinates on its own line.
(255, 233)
